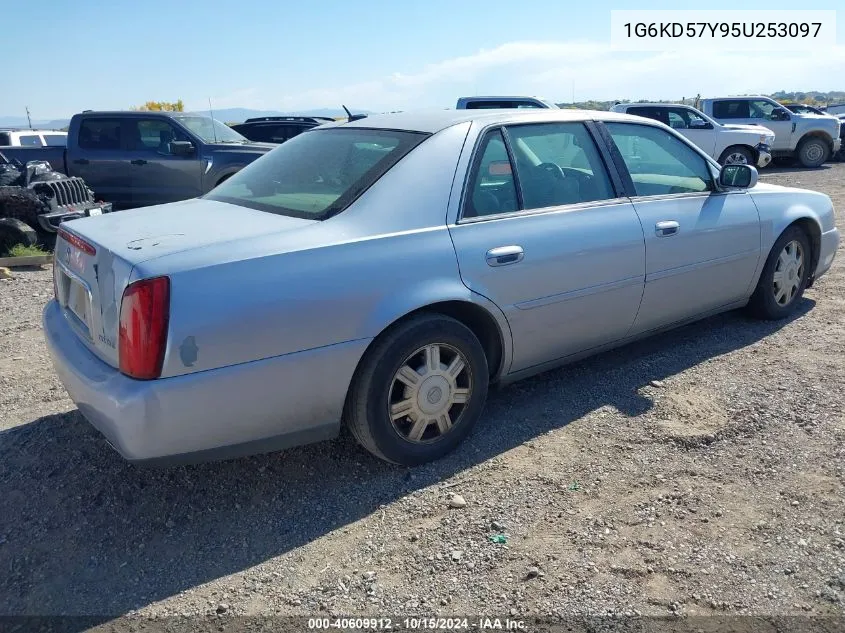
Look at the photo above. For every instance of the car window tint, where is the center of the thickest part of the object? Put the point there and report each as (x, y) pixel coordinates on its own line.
(5, 138)
(658, 114)
(558, 164)
(154, 135)
(56, 140)
(100, 134)
(730, 109)
(319, 174)
(761, 109)
(659, 162)
(492, 188)
(30, 140)
(677, 120)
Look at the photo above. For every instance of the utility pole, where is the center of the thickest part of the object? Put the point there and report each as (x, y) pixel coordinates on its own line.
(573, 92)
(27, 117)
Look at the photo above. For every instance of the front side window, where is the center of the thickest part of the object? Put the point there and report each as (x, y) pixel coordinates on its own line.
(319, 174)
(30, 140)
(154, 135)
(99, 134)
(761, 109)
(731, 109)
(658, 162)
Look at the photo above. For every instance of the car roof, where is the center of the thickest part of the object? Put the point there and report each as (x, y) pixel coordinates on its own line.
(432, 121)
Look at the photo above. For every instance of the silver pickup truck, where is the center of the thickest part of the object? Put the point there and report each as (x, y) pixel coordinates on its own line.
(810, 138)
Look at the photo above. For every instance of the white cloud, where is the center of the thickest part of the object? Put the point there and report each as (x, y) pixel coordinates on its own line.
(551, 69)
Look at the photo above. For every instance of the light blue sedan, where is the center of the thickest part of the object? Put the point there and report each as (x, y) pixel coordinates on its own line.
(383, 273)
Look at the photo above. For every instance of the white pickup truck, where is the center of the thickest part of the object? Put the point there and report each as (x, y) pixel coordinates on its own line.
(728, 144)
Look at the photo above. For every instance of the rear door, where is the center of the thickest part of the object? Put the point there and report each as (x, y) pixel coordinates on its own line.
(545, 235)
(158, 176)
(702, 246)
(99, 159)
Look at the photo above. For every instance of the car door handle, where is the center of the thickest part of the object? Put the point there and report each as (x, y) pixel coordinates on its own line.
(81, 161)
(504, 255)
(667, 228)
(138, 161)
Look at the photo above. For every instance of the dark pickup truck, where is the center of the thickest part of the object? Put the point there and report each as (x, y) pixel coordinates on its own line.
(137, 159)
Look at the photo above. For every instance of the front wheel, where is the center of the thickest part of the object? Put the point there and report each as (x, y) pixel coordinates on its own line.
(737, 155)
(813, 152)
(784, 276)
(418, 391)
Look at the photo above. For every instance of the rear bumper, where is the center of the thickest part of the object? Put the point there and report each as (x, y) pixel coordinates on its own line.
(217, 414)
(827, 252)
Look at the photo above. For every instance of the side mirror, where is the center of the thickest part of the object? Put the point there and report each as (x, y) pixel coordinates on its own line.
(738, 176)
(779, 114)
(697, 124)
(182, 148)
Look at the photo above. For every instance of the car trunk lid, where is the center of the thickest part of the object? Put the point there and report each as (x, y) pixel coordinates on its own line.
(94, 258)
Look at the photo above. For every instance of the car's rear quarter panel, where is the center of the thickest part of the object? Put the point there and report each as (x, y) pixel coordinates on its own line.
(344, 279)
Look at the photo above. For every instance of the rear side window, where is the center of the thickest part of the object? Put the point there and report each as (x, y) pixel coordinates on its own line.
(731, 109)
(319, 174)
(30, 140)
(558, 164)
(99, 134)
(656, 114)
(496, 105)
(492, 188)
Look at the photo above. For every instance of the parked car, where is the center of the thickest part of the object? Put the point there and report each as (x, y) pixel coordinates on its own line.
(803, 108)
(32, 138)
(136, 159)
(384, 272)
(485, 103)
(728, 144)
(810, 138)
(278, 129)
(835, 109)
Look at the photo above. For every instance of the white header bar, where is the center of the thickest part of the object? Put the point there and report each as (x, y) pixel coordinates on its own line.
(751, 30)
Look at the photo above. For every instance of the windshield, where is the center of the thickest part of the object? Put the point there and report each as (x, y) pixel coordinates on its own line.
(318, 173)
(211, 130)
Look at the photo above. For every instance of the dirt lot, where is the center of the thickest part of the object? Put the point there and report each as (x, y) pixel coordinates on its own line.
(699, 473)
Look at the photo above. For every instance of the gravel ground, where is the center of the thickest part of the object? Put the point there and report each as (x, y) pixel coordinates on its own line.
(701, 473)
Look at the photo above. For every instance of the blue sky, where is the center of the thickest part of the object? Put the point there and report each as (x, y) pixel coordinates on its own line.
(376, 55)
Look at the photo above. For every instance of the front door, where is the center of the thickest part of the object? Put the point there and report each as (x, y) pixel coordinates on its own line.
(544, 234)
(702, 246)
(756, 112)
(158, 175)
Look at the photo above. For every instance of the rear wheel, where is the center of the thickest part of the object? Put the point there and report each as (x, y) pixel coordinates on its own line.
(784, 276)
(737, 155)
(418, 391)
(813, 152)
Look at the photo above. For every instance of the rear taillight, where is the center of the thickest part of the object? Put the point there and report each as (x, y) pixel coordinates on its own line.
(144, 315)
(55, 281)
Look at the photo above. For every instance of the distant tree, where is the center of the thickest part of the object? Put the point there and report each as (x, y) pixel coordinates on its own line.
(160, 106)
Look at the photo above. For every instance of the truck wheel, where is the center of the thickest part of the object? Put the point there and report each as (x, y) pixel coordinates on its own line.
(15, 232)
(812, 152)
(20, 204)
(737, 155)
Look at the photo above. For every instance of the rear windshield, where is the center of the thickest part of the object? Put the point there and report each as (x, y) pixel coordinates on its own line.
(317, 174)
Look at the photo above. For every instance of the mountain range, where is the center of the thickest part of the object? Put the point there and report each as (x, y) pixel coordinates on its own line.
(228, 115)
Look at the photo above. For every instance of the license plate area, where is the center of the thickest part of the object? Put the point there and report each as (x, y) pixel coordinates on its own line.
(75, 298)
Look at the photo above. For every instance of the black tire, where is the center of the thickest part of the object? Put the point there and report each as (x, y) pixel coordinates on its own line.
(813, 152)
(745, 152)
(20, 204)
(14, 232)
(763, 303)
(366, 412)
